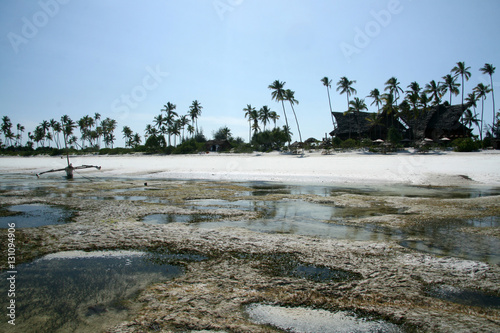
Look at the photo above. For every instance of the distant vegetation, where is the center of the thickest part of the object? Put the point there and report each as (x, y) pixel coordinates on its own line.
(171, 133)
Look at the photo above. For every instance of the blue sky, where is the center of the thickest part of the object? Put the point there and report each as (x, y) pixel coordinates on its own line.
(126, 59)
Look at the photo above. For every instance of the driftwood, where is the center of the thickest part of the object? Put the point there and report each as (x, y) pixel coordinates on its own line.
(69, 169)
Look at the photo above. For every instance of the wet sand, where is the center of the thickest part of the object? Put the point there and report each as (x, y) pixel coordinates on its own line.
(389, 281)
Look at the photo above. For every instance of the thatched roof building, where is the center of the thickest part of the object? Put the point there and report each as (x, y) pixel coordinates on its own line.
(437, 122)
(364, 125)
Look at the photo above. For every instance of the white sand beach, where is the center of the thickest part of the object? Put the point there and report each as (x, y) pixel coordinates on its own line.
(439, 169)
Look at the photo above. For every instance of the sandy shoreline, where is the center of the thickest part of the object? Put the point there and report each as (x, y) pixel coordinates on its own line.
(437, 169)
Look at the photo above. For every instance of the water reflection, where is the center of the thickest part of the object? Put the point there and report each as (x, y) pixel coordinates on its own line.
(35, 215)
(84, 291)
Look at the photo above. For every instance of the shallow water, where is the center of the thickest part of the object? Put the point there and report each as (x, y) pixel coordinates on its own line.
(85, 291)
(35, 215)
(463, 296)
(306, 320)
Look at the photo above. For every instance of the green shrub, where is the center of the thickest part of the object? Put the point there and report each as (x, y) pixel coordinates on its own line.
(349, 144)
(465, 145)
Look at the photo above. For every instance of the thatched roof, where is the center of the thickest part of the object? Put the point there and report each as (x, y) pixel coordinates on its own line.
(437, 121)
(351, 123)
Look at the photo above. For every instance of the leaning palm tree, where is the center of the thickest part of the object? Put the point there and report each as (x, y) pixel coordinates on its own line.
(278, 94)
(489, 69)
(450, 85)
(264, 115)
(345, 87)
(289, 96)
(248, 113)
(356, 106)
(481, 91)
(435, 90)
(328, 84)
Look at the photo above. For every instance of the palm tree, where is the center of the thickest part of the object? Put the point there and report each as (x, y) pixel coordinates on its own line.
(169, 119)
(19, 136)
(289, 96)
(375, 94)
(254, 116)
(414, 88)
(248, 113)
(470, 119)
(356, 106)
(195, 112)
(264, 115)
(394, 89)
(435, 90)
(136, 140)
(388, 108)
(450, 85)
(108, 127)
(489, 69)
(481, 91)
(328, 84)
(7, 130)
(375, 120)
(463, 71)
(184, 121)
(345, 87)
(274, 117)
(191, 129)
(278, 94)
(128, 136)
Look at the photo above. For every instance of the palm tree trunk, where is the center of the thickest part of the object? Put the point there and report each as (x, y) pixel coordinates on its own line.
(286, 120)
(330, 103)
(298, 127)
(493, 98)
(481, 129)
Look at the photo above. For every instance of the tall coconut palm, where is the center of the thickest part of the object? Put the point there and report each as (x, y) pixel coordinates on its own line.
(345, 87)
(278, 94)
(184, 121)
(375, 121)
(463, 71)
(393, 86)
(289, 96)
(435, 90)
(248, 113)
(254, 116)
(195, 112)
(68, 125)
(356, 106)
(375, 94)
(128, 136)
(450, 85)
(481, 91)
(265, 115)
(169, 118)
(489, 69)
(328, 84)
(19, 136)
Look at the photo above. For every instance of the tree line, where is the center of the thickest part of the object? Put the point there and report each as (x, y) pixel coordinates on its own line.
(168, 124)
